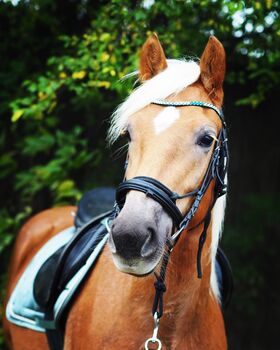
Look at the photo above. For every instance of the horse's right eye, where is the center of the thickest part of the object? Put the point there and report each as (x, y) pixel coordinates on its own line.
(125, 133)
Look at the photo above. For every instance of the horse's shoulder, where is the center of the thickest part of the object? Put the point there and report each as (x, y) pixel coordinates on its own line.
(36, 232)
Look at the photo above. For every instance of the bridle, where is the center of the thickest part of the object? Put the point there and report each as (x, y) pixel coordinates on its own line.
(216, 170)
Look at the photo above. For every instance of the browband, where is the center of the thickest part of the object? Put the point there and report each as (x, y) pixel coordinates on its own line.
(190, 103)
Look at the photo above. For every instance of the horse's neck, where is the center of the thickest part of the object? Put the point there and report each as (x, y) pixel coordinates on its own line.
(182, 270)
(189, 302)
(189, 310)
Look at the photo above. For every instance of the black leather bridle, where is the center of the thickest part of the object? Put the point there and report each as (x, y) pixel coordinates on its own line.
(153, 188)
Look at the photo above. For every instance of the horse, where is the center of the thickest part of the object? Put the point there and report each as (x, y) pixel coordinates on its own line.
(172, 144)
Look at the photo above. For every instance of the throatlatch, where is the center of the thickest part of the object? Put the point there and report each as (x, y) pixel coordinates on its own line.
(153, 188)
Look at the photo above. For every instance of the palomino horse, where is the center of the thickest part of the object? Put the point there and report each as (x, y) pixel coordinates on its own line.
(171, 142)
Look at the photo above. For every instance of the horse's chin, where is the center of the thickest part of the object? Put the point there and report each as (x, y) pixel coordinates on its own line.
(136, 267)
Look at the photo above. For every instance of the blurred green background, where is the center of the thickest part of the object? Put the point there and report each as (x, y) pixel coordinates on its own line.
(61, 62)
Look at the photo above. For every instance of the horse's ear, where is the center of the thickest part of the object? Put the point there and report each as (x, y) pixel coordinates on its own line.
(152, 58)
(212, 67)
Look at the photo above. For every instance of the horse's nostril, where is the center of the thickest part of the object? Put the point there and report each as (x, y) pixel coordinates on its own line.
(148, 246)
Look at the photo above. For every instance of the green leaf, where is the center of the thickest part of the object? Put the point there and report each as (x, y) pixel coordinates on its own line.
(17, 115)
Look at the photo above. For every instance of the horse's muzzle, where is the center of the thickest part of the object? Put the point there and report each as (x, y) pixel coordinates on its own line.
(138, 234)
(131, 241)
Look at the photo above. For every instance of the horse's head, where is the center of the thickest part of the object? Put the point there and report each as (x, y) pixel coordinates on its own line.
(173, 145)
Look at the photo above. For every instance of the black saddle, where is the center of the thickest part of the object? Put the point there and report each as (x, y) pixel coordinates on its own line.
(94, 203)
(67, 261)
(93, 207)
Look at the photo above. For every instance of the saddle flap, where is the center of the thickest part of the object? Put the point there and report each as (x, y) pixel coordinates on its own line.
(92, 209)
(86, 240)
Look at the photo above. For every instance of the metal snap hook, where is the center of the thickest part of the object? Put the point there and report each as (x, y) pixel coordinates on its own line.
(153, 341)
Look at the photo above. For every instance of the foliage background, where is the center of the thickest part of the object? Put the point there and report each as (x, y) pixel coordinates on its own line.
(60, 65)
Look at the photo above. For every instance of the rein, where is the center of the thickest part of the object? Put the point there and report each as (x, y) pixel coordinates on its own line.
(154, 189)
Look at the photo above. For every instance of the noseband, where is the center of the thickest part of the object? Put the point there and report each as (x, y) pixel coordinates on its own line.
(216, 170)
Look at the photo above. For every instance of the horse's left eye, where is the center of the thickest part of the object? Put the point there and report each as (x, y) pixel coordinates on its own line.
(205, 140)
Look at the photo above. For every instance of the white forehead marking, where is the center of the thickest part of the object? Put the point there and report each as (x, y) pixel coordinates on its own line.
(165, 119)
(178, 75)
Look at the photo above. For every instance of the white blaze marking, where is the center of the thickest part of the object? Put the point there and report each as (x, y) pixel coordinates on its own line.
(165, 118)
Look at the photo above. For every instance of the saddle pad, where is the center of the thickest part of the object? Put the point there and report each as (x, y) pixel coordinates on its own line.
(23, 309)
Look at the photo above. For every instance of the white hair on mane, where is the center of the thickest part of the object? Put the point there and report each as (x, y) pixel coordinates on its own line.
(218, 214)
(178, 75)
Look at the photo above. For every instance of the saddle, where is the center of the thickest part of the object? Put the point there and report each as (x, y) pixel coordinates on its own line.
(68, 260)
(58, 269)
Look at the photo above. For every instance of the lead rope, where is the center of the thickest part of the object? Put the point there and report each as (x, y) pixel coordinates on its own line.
(160, 288)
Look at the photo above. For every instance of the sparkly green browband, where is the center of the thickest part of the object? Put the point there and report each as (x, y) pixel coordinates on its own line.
(190, 103)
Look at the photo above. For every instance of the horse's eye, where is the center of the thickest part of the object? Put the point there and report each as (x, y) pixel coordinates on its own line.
(125, 133)
(205, 140)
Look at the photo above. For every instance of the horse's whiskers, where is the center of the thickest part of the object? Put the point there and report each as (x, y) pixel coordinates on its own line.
(120, 151)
